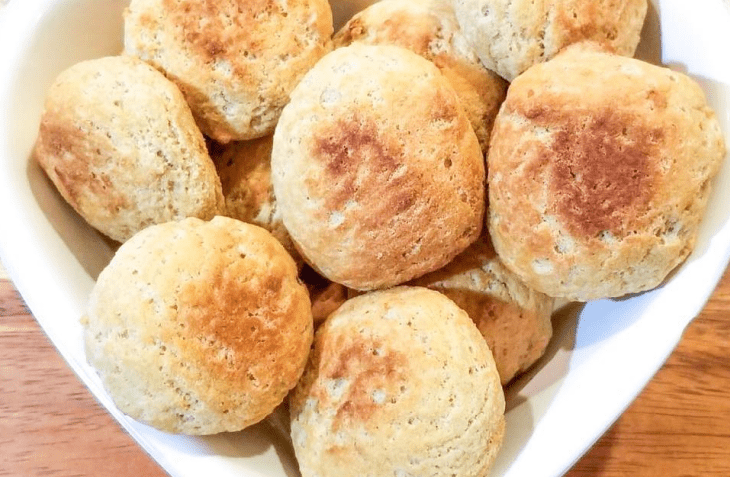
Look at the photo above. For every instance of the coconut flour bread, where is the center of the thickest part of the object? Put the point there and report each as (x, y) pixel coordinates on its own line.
(244, 168)
(199, 327)
(512, 35)
(118, 141)
(513, 318)
(235, 61)
(400, 382)
(377, 171)
(599, 173)
(429, 28)
(326, 295)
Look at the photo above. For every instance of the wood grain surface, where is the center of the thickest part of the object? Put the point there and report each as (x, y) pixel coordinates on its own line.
(51, 425)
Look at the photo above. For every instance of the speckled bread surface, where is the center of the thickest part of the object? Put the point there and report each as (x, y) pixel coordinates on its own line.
(400, 382)
(377, 171)
(600, 167)
(120, 144)
(511, 35)
(429, 28)
(244, 168)
(199, 327)
(236, 61)
(513, 318)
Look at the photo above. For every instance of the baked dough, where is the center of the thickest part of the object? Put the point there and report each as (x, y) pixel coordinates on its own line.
(511, 35)
(121, 146)
(377, 171)
(513, 318)
(429, 28)
(600, 167)
(199, 327)
(400, 382)
(244, 168)
(235, 61)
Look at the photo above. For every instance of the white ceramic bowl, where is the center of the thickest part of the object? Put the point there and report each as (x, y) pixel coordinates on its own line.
(602, 355)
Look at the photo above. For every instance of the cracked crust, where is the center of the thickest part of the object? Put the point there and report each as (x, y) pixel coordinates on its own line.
(199, 327)
(399, 382)
(511, 35)
(378, 174)
(599, 173)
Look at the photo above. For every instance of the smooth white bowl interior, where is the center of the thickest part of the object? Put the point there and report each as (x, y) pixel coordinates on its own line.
(603, 352)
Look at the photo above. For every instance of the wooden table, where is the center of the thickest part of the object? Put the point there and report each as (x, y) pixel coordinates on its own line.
(51, 425)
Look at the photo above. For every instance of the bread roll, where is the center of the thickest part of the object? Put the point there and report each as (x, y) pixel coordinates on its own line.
(600, 167)
(119, 142)
(511, 35)
(199, 327)
(429, 28)
(235, 61)
(400, 382)
(377, 171)
(513, 318)
(244, 168)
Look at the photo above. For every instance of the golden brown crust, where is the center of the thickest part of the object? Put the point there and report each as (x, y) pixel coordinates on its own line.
(376, 168)
(326, 296)
(514, 319)
(404, 368)
(119, 142)
(343, 148)
(599, 172)
(199, 327)
(244, 169)
(592, 190)
(367, 364)
(430, 30)
(62, 150)
(235, 61)
(326, 300)
(216, 29)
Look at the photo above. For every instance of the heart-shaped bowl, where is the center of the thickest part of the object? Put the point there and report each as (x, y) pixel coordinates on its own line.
(602, 354)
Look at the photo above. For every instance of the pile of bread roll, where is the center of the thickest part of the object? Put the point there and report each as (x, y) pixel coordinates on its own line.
(371, 224)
